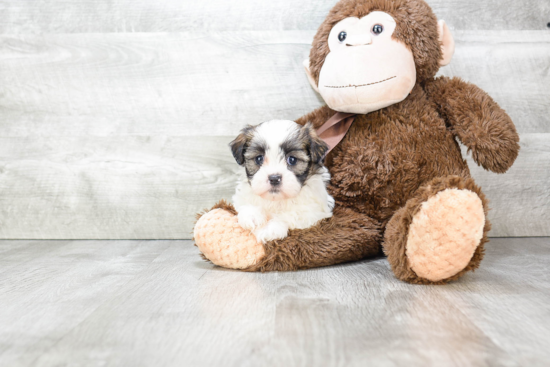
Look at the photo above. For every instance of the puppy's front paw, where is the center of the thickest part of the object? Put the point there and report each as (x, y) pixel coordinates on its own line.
(251, 218)
(273, 230)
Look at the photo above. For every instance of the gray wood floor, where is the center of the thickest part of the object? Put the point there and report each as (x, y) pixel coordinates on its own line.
(156, 303)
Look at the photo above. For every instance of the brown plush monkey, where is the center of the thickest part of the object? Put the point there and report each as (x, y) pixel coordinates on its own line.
(399, 180)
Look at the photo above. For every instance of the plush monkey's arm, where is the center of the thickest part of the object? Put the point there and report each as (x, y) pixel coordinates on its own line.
(346, 236)
(317, 117)
(478, 121)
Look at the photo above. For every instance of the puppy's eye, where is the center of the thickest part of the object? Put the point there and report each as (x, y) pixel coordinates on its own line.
(291, 161)
(342, 36)
(259, 160)
(377, 29)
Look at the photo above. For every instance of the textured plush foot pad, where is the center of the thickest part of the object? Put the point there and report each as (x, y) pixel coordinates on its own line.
(222, 241)
(445, 233)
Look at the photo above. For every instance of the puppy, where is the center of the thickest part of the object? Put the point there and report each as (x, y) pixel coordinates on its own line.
(285, 182)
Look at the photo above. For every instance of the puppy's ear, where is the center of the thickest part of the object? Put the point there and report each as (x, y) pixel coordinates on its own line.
(238, 146)
(317, 147)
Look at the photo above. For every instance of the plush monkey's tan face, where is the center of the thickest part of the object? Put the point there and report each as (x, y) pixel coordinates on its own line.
(366, 69)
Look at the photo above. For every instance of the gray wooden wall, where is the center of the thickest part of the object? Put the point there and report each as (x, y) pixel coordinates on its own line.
(115, 114)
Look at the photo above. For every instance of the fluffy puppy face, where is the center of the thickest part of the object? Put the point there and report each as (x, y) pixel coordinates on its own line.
(279, 157)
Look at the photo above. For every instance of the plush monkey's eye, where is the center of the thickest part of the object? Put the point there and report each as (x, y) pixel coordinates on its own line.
(259, 160)
(377, 29)
(291, 161)
(342, 36)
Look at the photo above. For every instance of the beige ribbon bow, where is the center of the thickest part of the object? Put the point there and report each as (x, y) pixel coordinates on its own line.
(333, 131)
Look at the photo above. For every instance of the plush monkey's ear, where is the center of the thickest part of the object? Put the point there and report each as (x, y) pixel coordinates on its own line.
(310, 76)
(447, 43)
(238, 146)
(317, 147)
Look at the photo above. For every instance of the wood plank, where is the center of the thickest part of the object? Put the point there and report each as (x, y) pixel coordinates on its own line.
(16, 253)
(193, 314)
(44, 298)
(493, 298)
(106, 16)
(175, 309)
(151, 84)
(112, 187)
(213, 84)
(151, 187)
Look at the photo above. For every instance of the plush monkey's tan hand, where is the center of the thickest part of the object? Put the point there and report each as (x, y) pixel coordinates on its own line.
(222, 241)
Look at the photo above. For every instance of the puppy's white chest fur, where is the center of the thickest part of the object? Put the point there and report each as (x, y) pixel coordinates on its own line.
(270, 220)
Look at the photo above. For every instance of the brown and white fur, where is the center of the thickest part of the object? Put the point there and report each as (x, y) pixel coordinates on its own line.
(284, 185)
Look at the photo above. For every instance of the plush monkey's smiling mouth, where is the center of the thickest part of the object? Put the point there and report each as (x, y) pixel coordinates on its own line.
(360, 85)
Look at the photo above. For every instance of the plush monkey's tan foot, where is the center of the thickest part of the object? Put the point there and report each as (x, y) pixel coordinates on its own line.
(444, 234)
(221, 240)
(439, 234)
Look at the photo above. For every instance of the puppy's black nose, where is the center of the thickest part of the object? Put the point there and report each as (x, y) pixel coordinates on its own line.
(275, 180)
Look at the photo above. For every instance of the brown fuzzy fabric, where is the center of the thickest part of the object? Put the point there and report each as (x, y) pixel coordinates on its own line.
(394, 159)
(346, 236)
(477, 121)
(317, 117)
(222, 204)
(396, 235)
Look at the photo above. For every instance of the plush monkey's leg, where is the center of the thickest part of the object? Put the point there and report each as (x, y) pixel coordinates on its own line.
(440, 233)
(346, 236)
